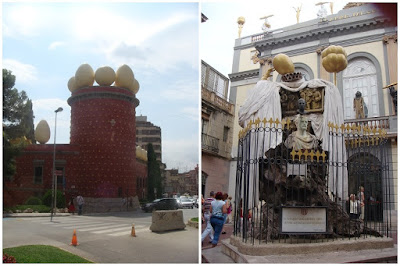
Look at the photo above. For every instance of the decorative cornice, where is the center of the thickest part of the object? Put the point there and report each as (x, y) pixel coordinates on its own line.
(244, 75)
(316, 33)
(386, 38)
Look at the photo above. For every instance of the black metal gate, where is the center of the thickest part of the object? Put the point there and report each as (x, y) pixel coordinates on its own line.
(287, 194)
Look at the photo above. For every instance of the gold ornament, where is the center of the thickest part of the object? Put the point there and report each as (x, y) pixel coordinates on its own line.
(334, 59)
(283, 64)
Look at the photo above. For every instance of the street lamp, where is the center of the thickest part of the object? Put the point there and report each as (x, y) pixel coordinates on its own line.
(54, 189)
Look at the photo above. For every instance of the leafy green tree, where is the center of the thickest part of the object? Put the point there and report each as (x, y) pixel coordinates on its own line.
(153, 174)
(18, 128)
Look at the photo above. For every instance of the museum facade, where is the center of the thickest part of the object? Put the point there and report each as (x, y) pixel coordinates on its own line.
(368, 34)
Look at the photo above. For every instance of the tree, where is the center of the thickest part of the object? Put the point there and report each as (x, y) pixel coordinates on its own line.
(18, 128)
(153, 174)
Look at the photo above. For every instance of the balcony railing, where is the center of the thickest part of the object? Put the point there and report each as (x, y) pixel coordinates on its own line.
(212, 98)
(209, 143)
(373, 122)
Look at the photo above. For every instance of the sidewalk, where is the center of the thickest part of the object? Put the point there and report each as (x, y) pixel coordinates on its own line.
(33, 214)
(215, 255)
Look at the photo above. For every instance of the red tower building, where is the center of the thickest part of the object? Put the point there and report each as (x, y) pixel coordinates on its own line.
(103, 126)
(100, 161)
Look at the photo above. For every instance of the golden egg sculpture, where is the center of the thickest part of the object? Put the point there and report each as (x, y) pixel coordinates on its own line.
(72, 84)
(42, 132)
(334, 59)
(104, 76)
(135, 86)
(283, 64)
(141, 154)
(84, 76)
(124, 77)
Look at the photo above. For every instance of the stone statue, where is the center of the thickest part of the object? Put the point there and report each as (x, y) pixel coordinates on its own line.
(266, 25)
(393, 93)
(317, 99)
(301, 139)
(322, 13)
(358, 105)
(302, 106)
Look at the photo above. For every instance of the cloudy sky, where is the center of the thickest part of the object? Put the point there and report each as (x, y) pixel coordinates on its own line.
(45, 43)
(218, 34)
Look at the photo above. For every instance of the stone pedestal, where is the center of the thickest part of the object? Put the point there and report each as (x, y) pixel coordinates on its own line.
(167, 220)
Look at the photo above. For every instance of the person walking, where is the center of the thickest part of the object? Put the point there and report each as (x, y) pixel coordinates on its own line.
(206, 206)
(80, 202)
(218, 209)
(71, 206)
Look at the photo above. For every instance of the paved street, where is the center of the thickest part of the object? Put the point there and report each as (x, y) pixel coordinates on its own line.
(106, 238)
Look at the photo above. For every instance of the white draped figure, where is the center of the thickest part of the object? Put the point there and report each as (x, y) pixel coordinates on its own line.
(264, 102)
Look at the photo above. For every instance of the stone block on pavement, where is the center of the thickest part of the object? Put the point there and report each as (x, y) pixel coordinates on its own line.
(167, 220)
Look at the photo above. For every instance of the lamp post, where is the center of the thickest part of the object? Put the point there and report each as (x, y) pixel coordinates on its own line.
(54, 189)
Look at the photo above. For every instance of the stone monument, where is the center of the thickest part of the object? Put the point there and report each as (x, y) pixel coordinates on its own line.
(292, 161)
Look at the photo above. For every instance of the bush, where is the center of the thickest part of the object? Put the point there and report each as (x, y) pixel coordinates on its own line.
(60, 199)
(33, 201)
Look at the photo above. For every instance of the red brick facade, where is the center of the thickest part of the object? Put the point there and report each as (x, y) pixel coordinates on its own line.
(100, 162)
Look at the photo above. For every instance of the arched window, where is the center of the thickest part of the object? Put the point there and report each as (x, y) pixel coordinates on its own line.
(360, 75)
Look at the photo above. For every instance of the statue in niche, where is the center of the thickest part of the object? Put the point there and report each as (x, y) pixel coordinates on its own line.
(393, 93)
(301, 138)
(317, 99)
(358, 105)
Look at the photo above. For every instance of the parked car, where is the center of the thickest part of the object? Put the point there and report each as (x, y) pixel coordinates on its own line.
(161, 204)
(186, 203)
(196, 203)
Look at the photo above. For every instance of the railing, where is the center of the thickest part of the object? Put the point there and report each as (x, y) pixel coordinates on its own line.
(257, 38)
(373, 122)
(209, 143)
(211, 97)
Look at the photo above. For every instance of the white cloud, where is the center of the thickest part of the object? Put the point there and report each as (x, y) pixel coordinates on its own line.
(24, 72)
(187, 90)
(54, 45)
(181, 153)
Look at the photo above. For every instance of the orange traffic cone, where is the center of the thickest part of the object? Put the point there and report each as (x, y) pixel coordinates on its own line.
(74, 241)
(133, 233)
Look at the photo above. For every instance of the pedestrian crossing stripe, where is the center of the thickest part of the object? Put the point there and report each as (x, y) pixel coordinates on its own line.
(85, 226)
(104, 227)
(141, 230)
(99, 228)
(113, 230)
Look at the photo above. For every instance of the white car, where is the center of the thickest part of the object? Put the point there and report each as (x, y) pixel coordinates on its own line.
(186, 203)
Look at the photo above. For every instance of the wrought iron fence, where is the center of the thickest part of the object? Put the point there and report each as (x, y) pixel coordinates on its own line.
(344, 190)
